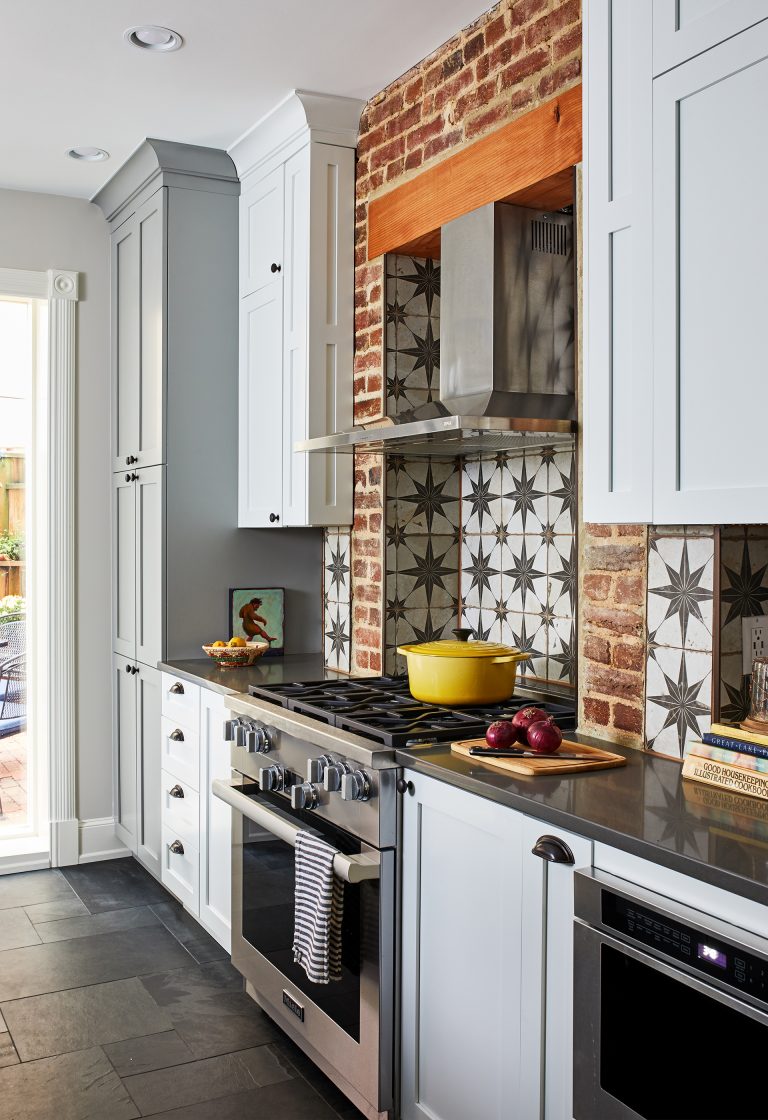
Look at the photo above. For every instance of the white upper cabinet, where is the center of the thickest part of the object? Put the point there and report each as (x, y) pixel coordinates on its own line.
(138, 335)
(685, 28)
(674, 394)
(710, 389)
(296, 309)
(617, 261)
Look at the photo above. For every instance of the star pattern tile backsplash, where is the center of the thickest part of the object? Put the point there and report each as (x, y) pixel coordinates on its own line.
(678, 700)
(337, 599)
(486, 543)
(743, 592)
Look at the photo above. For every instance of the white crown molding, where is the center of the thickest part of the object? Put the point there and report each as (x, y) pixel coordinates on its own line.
(321, 117)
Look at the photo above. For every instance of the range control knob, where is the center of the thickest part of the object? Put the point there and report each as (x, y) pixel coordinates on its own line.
(304, 796)
(334, 772)
(272, 777)
(229, 729)
(355, 786)
(257, 739)
(316, 767)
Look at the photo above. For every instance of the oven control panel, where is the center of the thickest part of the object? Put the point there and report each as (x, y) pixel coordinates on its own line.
(710, 955)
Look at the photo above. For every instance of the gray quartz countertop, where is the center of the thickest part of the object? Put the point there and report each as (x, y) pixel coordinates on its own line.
(267, 670)
(644, 808)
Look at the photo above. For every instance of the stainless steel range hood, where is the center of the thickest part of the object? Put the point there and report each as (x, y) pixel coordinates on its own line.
(507, 343)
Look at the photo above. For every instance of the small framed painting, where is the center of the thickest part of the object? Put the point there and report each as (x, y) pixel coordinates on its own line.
(257, 614)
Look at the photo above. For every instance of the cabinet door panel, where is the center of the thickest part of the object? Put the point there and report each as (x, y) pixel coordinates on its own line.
(710, 398)
(150, 565)
(148, 768)
(123, 566)
(261, 232)
(618, 480)
(260, 441)
(329, 391)
(684, 28)
(548, 975)
(295, 373)
(462, 938)
(124, 740)
(215, 821)
(125, 342)
(152, 318)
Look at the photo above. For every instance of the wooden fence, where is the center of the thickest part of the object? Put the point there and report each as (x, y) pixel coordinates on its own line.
(12, 520)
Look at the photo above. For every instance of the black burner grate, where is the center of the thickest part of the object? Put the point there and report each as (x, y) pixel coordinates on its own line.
(382, 709)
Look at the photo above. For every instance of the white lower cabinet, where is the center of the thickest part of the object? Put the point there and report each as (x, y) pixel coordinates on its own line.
(136, 721)
(196, 827)
(215, 821)
(486, 945)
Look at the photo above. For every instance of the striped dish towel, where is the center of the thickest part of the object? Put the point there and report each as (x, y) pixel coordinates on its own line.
(318, 910)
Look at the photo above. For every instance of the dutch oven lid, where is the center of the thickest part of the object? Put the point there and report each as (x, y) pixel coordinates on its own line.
(462, 647)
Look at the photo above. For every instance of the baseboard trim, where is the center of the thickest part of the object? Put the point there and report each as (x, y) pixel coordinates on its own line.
(98, 840)
(24, 861)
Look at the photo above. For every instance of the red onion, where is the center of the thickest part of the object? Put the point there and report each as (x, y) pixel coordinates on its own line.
(501, 734)
(524, 718)
(544, 737)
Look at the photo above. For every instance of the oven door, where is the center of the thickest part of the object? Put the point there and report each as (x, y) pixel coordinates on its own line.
(654, 1042)
(345, 1026)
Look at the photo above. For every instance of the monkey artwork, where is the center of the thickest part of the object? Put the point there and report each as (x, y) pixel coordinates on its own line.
(253, 622)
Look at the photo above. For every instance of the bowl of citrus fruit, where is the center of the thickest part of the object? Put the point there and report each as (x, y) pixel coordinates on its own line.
(235, 652)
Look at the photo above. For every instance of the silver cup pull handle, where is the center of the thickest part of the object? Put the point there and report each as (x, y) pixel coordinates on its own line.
(177, 848)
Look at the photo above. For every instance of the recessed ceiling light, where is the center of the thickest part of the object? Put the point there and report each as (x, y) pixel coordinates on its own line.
(88, 155)
(151, 37)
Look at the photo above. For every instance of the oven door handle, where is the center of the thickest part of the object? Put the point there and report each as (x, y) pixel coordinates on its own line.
(352, 869)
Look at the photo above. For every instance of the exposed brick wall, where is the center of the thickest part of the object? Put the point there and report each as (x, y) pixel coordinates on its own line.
(518, 54)
(613, 582)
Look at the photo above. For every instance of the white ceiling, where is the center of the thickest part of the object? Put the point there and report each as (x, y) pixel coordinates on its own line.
(68, 78)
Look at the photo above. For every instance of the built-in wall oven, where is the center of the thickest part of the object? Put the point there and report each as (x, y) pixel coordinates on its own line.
(347, 1026)
(670, 1009)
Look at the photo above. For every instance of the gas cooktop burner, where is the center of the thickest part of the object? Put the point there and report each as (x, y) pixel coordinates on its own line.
(382, 708)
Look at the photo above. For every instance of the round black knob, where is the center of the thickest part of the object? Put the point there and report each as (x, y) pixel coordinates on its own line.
(275, 267)
(130, 460)
(127, 478)
(273, 517)
(134, 476)
(127, 668)
(402, 786)
(135, 669)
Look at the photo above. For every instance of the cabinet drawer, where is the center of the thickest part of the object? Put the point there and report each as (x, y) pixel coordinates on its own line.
(180, 751)
(180, 809)
(181, 870)
(181, 700)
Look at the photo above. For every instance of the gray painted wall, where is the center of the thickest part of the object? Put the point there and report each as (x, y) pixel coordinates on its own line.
(39, 231)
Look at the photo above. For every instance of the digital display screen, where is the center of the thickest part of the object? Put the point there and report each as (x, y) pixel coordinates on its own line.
(712, 955)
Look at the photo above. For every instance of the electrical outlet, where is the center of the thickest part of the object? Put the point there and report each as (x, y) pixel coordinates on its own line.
(754, 640)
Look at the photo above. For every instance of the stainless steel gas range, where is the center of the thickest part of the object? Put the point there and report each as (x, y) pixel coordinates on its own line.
(321, 756)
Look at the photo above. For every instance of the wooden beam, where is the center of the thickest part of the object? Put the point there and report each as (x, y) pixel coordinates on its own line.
(536, 148)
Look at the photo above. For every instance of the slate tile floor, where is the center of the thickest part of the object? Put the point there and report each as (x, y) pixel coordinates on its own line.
(115, 1003)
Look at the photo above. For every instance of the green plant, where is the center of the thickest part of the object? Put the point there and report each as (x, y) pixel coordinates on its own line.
(12, 604)
(12, 545)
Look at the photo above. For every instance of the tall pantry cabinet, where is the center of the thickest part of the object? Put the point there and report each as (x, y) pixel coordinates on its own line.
(173, 214)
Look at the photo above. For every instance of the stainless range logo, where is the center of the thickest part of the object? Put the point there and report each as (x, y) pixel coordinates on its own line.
(293, 1006)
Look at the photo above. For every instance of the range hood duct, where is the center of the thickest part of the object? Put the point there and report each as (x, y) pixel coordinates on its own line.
(507, 342)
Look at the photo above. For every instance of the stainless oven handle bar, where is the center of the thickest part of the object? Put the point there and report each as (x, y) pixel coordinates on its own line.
(352, 869)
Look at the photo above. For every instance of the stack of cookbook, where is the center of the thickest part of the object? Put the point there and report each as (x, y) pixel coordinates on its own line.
(732, 758)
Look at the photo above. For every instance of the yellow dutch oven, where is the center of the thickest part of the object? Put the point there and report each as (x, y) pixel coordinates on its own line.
(462, 673)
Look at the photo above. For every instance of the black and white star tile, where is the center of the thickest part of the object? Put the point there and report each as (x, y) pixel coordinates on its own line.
(680, 591)
(423, 496)
(743, 593)
(337, 598)
(678, 698)
(412, 332)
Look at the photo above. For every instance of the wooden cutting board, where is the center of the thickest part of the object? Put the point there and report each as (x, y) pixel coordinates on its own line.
(548, 764)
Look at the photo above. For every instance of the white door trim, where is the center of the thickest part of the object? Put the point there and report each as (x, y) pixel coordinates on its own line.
(59, 288)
